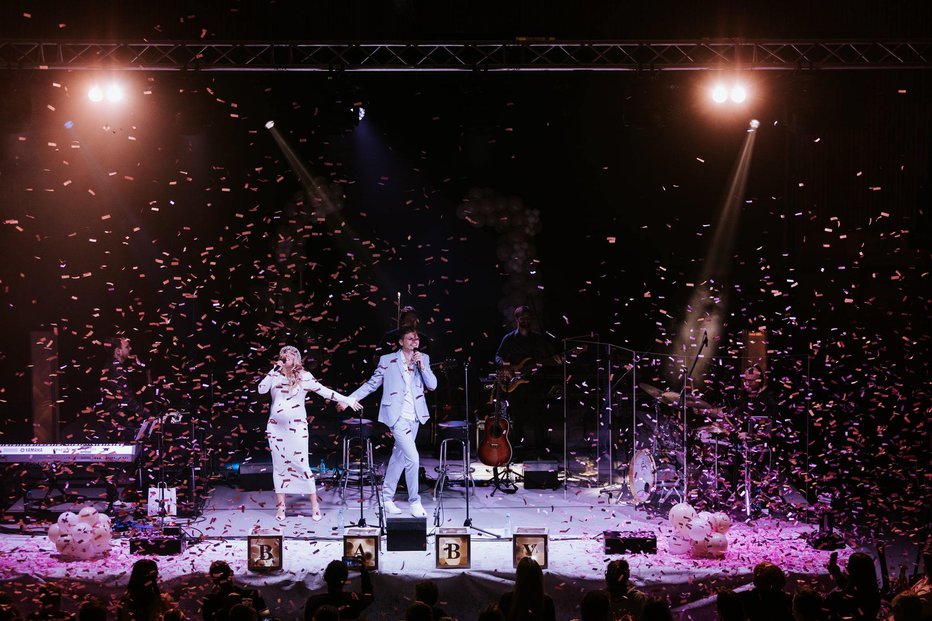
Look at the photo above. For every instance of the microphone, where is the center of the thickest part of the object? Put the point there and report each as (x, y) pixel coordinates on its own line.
(418, 363)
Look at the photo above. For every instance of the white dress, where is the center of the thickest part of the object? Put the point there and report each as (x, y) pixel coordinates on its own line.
(287, 430)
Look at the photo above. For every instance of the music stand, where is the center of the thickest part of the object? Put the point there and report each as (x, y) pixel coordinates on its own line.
(468, 522)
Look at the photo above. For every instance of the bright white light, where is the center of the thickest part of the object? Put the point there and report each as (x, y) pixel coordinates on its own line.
(114, 93)
(95, 94)
(362, 113)
(755, 123)
(719, 93)
(270, 125)
(738, 93)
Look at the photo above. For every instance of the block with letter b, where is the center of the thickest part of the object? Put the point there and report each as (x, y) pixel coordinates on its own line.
(453, 548)
(264, 552)
(531, 542)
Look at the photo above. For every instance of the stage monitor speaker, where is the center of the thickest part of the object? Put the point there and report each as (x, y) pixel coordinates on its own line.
(406, 534)
(156, 546)
(541, 474)
(255, 476)
(630, 542)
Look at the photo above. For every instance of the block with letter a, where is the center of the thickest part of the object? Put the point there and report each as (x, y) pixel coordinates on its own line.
(531, 542)
(361, 545)
(452, 548)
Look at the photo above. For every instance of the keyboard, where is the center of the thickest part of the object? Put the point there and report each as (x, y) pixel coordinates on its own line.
(48, 453)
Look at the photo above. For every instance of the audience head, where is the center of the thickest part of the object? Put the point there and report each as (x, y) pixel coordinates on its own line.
(595, 606)
(327, 613)
(143, 586)
(242, 612)
(907, 607)
(92, 610)
(862, 576)
(174, 614)
(617, 574)
(769, 577)
(419, 611)
(426, 591)
(491, 613)
(729, 606)
(807, 605)
(656, 609)
(221, 572)
(336, 575)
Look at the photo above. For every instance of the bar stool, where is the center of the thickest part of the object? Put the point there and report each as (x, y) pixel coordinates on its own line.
(458, 470)
(358, 463)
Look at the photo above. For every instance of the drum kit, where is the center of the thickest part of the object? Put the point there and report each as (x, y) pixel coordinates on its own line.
(721, 457)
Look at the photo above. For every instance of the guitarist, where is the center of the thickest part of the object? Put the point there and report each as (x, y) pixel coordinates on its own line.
(519, 359)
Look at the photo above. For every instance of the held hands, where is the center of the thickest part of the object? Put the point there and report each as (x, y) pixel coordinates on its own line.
(356, 405)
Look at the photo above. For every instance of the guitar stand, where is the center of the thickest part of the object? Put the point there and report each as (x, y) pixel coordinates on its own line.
(506, 483)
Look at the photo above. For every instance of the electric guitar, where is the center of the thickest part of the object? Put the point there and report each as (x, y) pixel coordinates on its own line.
(514, 375)
(495, 449)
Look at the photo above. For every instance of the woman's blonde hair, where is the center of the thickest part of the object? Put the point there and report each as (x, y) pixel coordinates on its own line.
(298, 368)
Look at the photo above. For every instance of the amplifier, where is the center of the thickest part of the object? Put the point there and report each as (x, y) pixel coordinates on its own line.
(541, 474)
(406, 534)
(156, 546)
(255, 476)
(623, 542)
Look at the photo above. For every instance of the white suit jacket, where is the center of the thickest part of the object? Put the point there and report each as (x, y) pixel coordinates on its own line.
(390, 376)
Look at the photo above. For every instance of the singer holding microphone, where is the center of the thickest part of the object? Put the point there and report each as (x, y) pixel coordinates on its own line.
(289, 384)
(404, 376)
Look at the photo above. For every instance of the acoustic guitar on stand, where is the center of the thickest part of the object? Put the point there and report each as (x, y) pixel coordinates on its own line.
(495, 449)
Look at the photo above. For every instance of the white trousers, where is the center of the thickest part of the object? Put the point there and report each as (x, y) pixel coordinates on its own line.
(404, 458)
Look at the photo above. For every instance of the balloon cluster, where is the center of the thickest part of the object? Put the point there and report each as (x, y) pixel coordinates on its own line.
(81, 535)
(700, 534)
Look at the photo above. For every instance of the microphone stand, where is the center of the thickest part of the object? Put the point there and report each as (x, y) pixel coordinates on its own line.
(467, 475)
(702, 345)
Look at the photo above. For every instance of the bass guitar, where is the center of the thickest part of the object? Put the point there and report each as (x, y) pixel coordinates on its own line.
(495, 449)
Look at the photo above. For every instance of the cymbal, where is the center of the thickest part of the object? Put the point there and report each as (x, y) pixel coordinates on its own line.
(654, 392)
(711, 429)
(357, 421)
(453, 424)
(696, 402)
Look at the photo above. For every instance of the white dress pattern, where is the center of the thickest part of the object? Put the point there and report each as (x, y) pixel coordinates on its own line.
(287, 430)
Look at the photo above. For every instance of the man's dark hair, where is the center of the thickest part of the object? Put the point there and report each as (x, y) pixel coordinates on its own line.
(220, 571)
(595, 606)
(419, 611)
(114, 342)
(729, 606)
(335, 575)
(327, 613)
(617, 573)
(426, 591)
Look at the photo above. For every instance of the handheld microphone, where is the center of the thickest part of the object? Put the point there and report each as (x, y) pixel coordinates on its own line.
(418, 363)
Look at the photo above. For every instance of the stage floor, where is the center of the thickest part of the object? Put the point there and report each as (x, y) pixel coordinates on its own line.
(575, 518)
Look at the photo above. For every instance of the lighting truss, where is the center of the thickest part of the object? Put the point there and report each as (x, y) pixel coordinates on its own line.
(519, 55)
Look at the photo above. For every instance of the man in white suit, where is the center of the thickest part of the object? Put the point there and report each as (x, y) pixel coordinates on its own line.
(404, 376)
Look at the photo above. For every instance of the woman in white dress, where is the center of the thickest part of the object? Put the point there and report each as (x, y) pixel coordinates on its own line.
(289, 384)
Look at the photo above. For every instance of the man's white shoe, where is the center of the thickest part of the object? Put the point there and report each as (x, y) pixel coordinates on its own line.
(417, 509)
(392, 508)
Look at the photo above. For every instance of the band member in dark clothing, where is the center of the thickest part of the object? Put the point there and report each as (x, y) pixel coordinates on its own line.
(521, 360)
(389, 342)
(121, 412)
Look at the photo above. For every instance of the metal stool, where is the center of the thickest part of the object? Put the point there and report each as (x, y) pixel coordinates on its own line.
(453, 471)
(360, 469)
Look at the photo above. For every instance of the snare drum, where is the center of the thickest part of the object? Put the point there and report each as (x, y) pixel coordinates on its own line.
(642, 476)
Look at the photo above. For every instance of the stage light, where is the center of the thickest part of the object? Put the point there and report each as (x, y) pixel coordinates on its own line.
(361, 113)
(719, 93)
(69, 124)
(114, 93)
(96, 94)
(738, 93)
(270, 125)
(754, 123)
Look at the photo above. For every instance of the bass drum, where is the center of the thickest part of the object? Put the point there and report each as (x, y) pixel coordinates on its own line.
(642, 476)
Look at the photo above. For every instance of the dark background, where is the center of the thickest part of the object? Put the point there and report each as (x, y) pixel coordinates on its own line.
(176, 219)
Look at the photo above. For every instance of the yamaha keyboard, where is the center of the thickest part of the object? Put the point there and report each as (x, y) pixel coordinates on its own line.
(49, 453)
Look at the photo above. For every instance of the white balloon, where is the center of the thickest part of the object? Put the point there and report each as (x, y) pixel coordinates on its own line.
(54, 533)
(681, 512)
(67, 521)
(699, 548)
(718, 545)
(65, 545)
(699, 529)
(721, 522)
(104, 520)
(705, 515)
(682, 527)
(678, 545)
(88, 515)
(101, 536)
